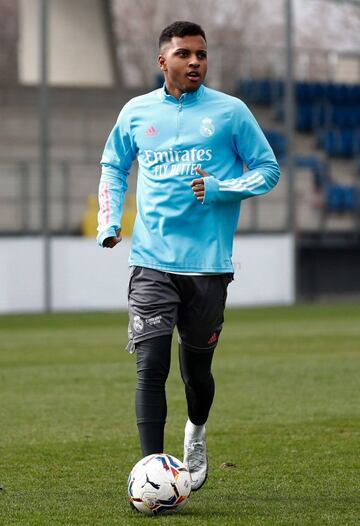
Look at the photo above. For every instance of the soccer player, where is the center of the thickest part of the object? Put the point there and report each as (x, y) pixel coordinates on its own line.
(191, 143)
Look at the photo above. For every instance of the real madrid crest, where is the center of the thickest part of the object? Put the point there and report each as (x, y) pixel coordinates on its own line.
(207, 127)
(138, 324)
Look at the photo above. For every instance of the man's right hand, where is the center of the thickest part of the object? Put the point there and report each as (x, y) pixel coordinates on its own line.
(111, 242)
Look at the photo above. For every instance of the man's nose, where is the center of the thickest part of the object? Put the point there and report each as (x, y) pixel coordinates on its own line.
(194, 62)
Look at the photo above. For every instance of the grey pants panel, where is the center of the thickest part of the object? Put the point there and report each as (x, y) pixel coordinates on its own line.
(158, 301)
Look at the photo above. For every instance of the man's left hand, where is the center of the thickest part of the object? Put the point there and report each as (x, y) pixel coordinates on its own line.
(198, 185)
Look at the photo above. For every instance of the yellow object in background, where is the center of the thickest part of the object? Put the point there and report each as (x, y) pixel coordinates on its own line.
(89, 220)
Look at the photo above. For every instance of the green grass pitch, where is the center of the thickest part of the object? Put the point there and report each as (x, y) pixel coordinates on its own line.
(286, 415)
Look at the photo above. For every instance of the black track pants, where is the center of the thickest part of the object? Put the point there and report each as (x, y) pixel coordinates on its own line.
(153, 364)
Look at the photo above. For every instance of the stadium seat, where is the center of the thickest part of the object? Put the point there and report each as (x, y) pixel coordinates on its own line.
(341, 142)
(257, 91)
(319, 170)
(305, 117)
(341, 199)
(277, 142)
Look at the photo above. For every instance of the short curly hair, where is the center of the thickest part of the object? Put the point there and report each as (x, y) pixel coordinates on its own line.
(180, 29)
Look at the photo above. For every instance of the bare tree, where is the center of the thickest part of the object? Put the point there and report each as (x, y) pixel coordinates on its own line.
(246, 37)
(139, 23)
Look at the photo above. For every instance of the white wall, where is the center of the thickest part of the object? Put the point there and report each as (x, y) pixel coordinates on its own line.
(89, 277)
(86, 277)
(21, 272)
(264, 270)
(78, 51)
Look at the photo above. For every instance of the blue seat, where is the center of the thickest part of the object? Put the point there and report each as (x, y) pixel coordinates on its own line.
(258, 91)
(340, 198)
(341, 142)
(344, 116)
(305, 117)
(278, 143)
(318, 167)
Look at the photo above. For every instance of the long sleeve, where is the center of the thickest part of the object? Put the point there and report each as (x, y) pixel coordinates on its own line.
(118, 156)
(253, 148)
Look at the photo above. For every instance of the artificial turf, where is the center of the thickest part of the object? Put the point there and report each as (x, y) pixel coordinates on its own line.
(285, 420)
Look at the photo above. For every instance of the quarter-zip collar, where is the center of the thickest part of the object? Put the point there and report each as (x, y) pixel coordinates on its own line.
(190, 97)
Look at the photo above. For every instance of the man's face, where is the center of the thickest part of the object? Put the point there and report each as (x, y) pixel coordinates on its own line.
(184, 63)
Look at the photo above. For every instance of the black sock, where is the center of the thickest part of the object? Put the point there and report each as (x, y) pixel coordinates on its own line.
(153, 364)
(199, 382)
(151, 437)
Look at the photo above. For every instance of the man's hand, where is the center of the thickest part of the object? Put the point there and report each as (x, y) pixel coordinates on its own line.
(198, 185)
(111, 242)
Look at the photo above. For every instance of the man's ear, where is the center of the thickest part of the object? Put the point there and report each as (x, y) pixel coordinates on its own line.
(162, 62)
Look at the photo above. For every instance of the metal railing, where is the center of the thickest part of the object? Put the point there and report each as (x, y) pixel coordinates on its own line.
(71, 182)
(70, 185)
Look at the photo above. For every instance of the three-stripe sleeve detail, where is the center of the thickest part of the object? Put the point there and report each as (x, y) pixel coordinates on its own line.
(251, 182)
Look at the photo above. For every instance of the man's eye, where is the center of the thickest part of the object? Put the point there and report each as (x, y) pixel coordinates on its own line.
(182, 53)
(202, 55)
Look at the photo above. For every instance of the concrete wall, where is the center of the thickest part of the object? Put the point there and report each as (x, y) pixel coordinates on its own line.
(86, 277)
(79, 54)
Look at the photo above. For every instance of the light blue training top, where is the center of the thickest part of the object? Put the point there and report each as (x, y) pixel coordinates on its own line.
(204, 129)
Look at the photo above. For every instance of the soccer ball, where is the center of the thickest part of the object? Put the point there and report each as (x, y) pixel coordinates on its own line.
(159, 483)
